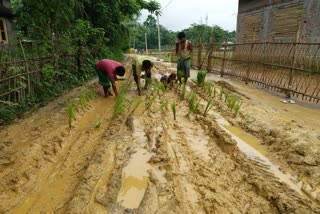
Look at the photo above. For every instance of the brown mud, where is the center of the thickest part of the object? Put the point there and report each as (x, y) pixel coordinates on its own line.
(144, 163)
(288, 133)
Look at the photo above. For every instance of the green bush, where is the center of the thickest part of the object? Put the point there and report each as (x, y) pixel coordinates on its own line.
(7, 115)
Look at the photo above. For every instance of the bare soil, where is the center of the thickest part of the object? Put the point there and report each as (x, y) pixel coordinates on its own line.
(147, 162)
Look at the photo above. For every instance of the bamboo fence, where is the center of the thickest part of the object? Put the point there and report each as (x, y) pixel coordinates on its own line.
(289, 68)
(21, 69)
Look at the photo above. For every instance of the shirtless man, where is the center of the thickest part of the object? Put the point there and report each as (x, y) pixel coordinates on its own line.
(184, 50)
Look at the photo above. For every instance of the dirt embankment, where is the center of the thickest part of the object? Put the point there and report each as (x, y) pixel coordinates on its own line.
(141, 163)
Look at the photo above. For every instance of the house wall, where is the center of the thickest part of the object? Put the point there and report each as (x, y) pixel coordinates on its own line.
(278, 21)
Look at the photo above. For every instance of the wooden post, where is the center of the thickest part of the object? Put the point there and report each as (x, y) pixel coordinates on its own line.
(26, 68)
(223, 59)
(249, 65)
(209, 66)
(200, 53)
(289, 88)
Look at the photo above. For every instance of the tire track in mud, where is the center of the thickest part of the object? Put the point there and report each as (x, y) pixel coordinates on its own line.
(50, 164)
(227, 182)
(222, 180)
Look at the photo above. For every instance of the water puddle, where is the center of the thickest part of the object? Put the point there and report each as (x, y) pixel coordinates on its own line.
(135, 180)
(101, 107)
(250, 140)
(135, 174)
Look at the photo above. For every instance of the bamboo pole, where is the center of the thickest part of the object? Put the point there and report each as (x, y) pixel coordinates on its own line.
(224, 58)
(200, 53)
(249, 65)
(26, 68)
(289, 89)
(209, 65)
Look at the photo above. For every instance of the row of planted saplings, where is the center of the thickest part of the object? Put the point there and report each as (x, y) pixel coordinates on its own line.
(213, 92)
(232, 100)
(159, 89)
(79, 104)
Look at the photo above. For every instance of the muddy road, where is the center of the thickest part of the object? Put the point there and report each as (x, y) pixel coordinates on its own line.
(144, 161)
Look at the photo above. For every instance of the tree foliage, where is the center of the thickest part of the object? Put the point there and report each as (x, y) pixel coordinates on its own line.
(206, 32)
(42, 19)
(168, 38)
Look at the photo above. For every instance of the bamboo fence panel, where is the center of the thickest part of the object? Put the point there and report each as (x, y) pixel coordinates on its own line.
(21, 71)
(289, 68)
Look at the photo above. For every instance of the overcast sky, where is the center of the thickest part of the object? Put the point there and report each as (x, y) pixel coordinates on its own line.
(180, 14)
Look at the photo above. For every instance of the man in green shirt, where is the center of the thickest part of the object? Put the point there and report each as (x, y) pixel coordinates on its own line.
(140, 64)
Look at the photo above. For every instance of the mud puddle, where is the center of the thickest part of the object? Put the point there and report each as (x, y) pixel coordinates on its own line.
(135, 180)
(251, 147)
(135, 175)
(100, 109)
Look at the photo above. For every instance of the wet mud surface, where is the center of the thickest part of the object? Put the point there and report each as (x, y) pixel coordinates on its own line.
(146, 162)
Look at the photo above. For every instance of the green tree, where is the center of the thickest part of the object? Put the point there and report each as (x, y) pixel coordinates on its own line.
(45, 18)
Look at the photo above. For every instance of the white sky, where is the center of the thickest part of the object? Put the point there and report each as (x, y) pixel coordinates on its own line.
(180, 14)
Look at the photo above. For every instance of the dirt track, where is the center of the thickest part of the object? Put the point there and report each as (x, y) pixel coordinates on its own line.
(146, 163)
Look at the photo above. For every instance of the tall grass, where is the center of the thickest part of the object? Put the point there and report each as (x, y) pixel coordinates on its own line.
(174, 110)
(164, 105)
(162, 87)
(91, 94)
(237, 108)
(232, 102)
(193, 103)
(209, 88)
(70, 113)
(83, 101)
(226, 95)
(214, 91)
(151, 101)
(194, 107)
(183, 91)
(192, 98)
(120, 104)
(201, 77)
(209, 106)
